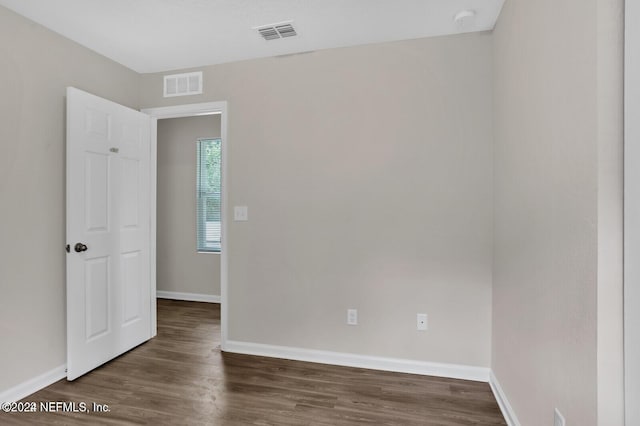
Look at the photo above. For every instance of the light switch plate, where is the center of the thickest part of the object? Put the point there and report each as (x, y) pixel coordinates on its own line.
(240, 213)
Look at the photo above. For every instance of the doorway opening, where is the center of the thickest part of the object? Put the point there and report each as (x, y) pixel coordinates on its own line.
(175, 133)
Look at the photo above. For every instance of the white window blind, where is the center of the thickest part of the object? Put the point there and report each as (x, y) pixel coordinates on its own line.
(209, 233)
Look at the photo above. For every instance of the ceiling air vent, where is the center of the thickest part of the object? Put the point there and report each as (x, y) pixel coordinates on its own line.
(183, 84)
(275, 31)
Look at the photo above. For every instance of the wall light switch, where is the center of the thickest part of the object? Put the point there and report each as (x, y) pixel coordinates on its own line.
(240, 213)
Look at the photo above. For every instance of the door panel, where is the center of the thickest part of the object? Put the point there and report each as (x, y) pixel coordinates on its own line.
(130, 193)
(108, 210)
(131, 263)
(97, 192)
(97, 285)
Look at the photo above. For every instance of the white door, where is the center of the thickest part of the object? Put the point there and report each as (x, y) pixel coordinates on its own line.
(108, 218)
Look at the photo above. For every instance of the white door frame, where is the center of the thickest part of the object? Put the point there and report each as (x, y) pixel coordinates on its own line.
(192, 110)
(632, 212)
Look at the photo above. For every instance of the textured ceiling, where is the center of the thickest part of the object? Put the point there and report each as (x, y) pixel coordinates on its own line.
(160, 35)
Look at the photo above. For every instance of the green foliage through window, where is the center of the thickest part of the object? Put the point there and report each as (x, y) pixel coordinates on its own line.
(209, 173)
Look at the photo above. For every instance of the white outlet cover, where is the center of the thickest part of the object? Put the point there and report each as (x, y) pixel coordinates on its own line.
(558, 419)
(352, 316)
(422, 322)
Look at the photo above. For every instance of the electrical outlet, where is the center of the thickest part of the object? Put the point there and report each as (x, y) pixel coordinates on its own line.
(558, 419)
(422, 322)
(352, 316)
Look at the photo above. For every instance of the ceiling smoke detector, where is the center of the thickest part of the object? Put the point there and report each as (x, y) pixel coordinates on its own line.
(276, 31)
(465, 18)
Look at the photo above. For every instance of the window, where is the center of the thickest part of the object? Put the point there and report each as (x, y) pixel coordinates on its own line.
(208, 195)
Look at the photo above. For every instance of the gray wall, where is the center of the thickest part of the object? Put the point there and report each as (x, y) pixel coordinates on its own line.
(368, 176)
(632, 212)
(36, 66)
(180, 268)
(557, 213)
(367, 173)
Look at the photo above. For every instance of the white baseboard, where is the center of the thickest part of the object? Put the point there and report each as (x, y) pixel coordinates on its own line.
(33, 385)
(454, 371)
(503, 402)
(191, 297)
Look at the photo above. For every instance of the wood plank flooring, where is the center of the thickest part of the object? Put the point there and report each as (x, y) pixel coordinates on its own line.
(181, 378)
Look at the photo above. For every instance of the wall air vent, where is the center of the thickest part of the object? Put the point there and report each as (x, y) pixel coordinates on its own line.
(276, 31)
(183, 84)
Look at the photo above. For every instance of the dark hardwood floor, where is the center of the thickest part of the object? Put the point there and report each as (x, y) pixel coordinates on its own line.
(181, 378)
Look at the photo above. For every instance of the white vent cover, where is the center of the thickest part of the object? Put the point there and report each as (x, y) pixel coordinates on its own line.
(276, 31)
(183, 84)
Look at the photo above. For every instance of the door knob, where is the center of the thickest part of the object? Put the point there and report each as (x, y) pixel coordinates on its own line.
(79, 247)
